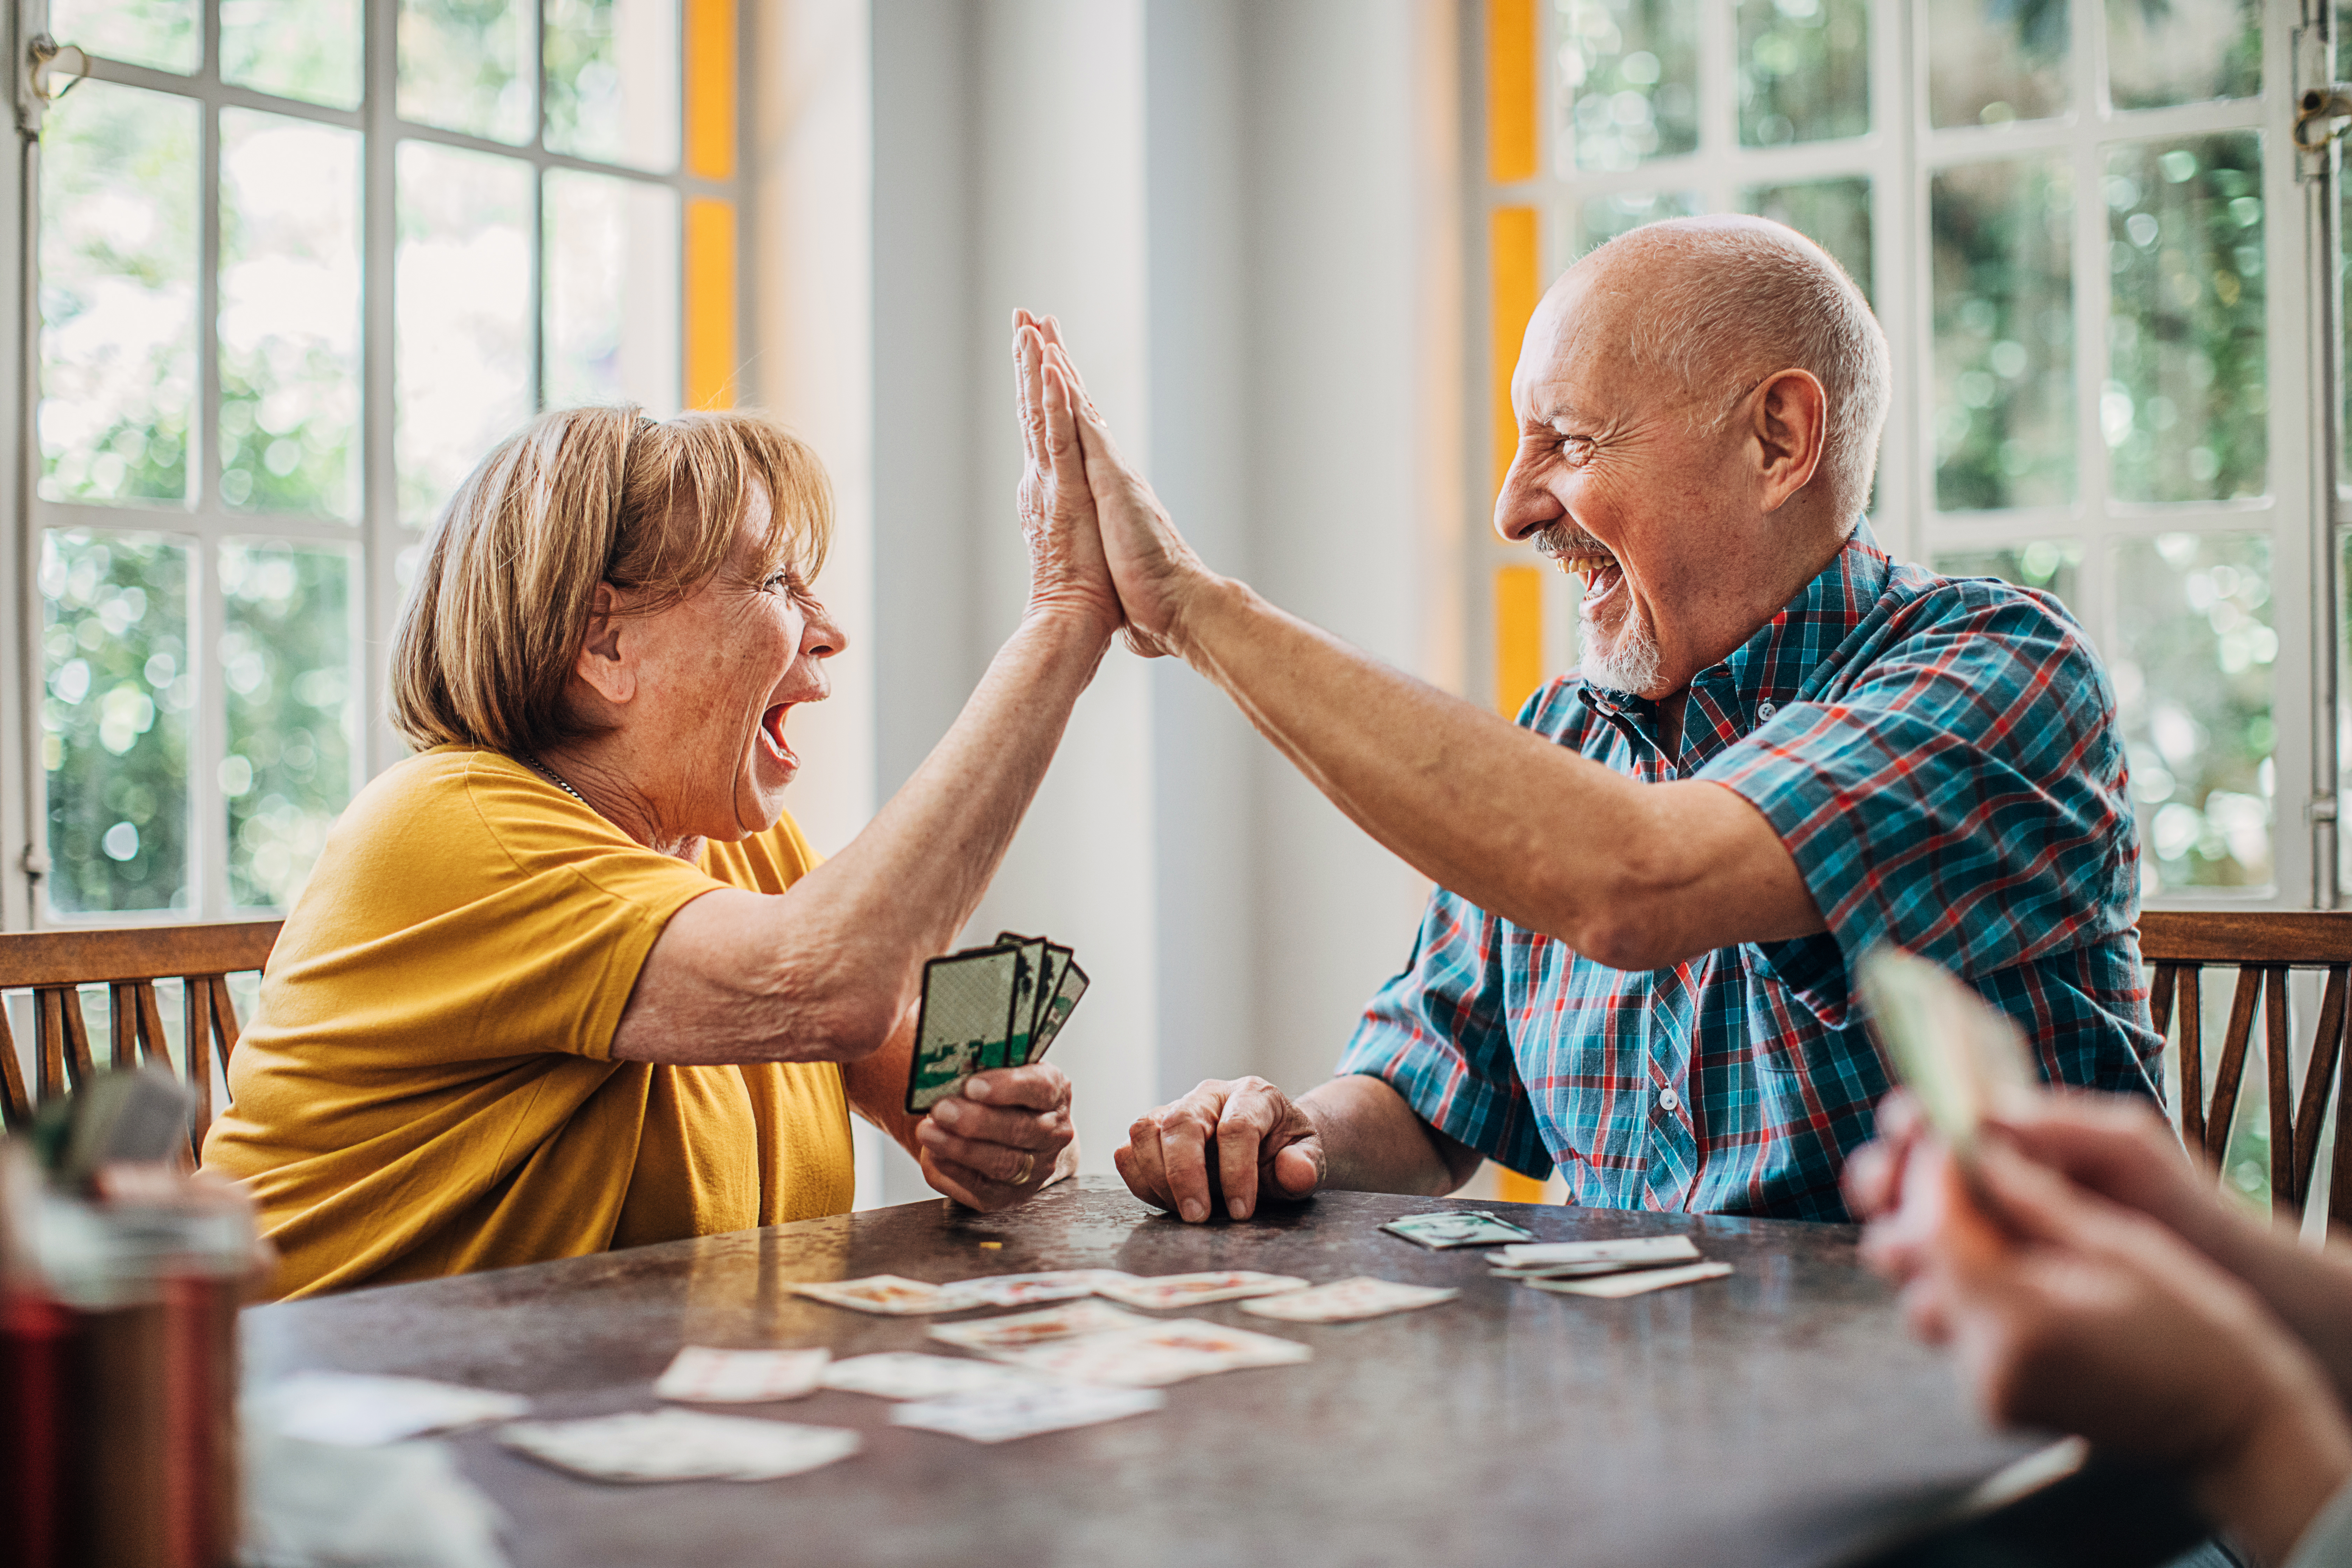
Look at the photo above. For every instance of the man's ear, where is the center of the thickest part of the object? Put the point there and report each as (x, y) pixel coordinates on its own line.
(607, 664)
(1792, 423)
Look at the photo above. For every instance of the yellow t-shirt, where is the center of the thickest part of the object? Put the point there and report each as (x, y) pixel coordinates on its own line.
(426, 1086)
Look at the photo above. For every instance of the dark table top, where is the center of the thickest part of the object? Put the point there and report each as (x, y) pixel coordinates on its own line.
(1778, 1416)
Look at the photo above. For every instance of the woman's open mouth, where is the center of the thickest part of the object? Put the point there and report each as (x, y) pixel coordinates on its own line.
(771, 730)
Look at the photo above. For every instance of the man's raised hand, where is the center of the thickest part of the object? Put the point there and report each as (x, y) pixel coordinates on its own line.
(1241, 1138)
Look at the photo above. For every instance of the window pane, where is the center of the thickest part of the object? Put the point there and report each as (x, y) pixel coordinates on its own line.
(2185, 409)
(466, 65)
(1804, 70)
(289, 314)
(2192, 669)
(307, 49)
(462, 311)
(118, 294)
(611, 292)
(2054, 566)
(1601, 219)
(613, 80)
(114, 720)
(158, 33)
(293, 723)
(2004, 357)
(1629, 81)
(1990, 61)
(1833, 213)
(2183, 51)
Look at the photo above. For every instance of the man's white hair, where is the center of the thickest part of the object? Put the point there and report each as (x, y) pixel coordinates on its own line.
(1727, 302)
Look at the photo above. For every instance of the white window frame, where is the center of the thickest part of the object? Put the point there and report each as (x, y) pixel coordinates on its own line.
(376, 538)
(1900, 153)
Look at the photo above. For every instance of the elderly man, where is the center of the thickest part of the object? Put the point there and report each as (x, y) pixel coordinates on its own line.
(1780, 749)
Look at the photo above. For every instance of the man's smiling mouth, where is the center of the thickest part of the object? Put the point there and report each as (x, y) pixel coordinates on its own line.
(1581, 555)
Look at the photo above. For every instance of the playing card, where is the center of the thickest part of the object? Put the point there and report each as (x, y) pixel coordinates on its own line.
(1460, 1227)
(353, 1410)
(1633, 1283)
(1023, 1412)
(1028, 970)
(1344, 1301)
(1155, 1353)
(990, 1335)
(910, 1375)
(1561, 1258)
(742, 1377)
(1034, 1290)
(1064, 1000)
(967, 1012)
(1168, 1291)
(884, 1293)
(679, 1446)
(1963, 1059)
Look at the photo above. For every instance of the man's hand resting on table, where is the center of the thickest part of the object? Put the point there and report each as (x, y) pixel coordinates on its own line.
(1005, 1138)
(1263, 1142)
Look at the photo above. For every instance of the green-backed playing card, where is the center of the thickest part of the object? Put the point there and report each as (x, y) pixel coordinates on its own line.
(967, 1014)
(1029, 965)
(1067, 989)
(1963, 1059)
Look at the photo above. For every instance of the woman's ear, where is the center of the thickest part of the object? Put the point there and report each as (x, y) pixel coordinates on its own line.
(607, 663)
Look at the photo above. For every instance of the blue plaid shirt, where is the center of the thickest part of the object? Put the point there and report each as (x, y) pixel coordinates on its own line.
(1941, 759)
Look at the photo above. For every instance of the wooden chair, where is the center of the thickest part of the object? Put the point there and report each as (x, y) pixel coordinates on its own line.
(130, 963)
(2264, 946)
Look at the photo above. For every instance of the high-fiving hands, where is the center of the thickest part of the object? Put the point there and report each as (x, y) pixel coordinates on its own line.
(1066, 568)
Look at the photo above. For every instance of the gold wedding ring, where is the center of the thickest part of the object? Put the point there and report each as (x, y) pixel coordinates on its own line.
(1028, 1168)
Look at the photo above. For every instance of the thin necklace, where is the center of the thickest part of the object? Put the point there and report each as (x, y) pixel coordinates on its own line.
(557, 780)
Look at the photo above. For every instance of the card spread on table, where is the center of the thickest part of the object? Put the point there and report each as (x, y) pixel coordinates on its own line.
(910, 1375)
(1344, 1301)
(1167, 1291)
(1465, 1228)
(1002, 1416)
(1155, 1353)
(1035, 1290)
(679, 1446)
(988, 1007)
(990, 1335)
(884, 1293)
(1633, 1283)
(354, 1410)
(1963, 1059)
(703, 1376)
(1564, 1259)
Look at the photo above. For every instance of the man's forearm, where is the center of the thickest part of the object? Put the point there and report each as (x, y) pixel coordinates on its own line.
(1375, 1143)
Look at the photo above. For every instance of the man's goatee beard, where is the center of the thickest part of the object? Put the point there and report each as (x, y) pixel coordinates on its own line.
(1630, 662)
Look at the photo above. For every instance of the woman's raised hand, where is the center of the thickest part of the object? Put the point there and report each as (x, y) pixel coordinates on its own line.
(1066, 569)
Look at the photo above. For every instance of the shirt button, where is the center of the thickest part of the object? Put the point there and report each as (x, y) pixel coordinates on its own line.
(1669, 1100)
(1766, 709)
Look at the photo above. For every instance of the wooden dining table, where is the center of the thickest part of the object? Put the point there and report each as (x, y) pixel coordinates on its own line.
(1779, 1416)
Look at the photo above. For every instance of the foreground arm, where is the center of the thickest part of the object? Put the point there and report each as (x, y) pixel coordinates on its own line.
(823, 972)
(1238, 1142)
(1006, 1135)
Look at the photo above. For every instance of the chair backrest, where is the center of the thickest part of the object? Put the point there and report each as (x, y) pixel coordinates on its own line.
(2264, 946)
(129, 962)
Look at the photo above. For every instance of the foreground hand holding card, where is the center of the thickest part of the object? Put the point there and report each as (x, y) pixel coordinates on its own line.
(1465, 1228)
(1165, 1291)
(1633, 1283)
(989, 1335)
(910, 1375)
(1155, 1353)
(1025, 1411)
(887, 1294)
(1344, 1301)
(742, 1377)
(679, 1446)
(1962, 1057)
(354, 1410)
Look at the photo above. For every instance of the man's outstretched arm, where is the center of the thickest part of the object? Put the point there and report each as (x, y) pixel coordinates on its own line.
(1233, 1141)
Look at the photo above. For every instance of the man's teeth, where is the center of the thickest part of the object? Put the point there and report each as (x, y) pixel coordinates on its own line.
(1585, 565)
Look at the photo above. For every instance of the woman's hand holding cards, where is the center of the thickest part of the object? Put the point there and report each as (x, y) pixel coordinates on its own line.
(1003, 1136)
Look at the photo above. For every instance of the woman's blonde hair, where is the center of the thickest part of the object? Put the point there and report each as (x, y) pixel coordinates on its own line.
(583, 497)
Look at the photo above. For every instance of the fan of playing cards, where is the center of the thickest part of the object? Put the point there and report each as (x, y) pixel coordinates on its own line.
(996, 1006)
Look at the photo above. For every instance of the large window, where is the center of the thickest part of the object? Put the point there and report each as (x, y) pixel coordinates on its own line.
(299, 264)
(2083, 227)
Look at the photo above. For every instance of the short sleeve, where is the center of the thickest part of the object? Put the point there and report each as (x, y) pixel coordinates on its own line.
(1961, 797)
(1435, 1034)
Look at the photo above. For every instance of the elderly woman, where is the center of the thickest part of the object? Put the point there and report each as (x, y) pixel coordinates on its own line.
(570, 978)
